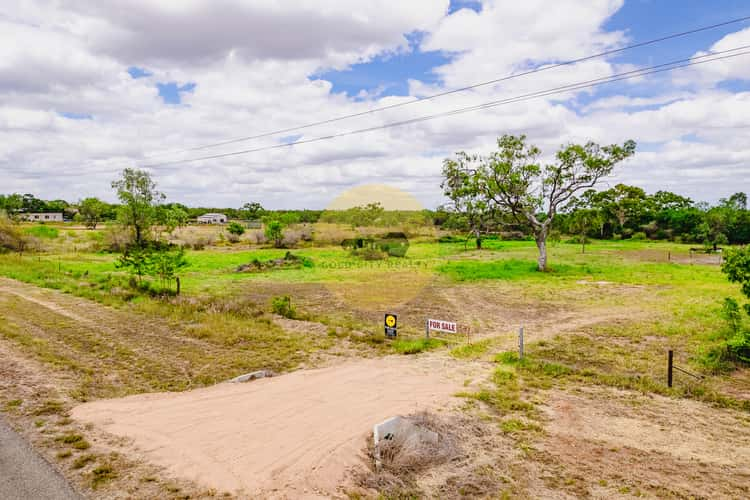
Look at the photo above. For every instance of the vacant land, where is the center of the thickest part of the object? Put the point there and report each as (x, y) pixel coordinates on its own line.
(586, 413)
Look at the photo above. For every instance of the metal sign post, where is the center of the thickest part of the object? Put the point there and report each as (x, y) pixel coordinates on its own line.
(520, 343)
(669, 368)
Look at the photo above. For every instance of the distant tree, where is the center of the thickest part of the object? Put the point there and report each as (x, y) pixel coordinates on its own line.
(139, 197)
(738, 201)
(275, 232)
(713, 231)
(510, 180)
(665, 200)
(467, 200)
(236, 228)
(91, 211)
(56, 206)
(625, 206)
(12, 203)
(252, 210)
(171, 217)
(365, 215)
(31, 203)
(582, 221)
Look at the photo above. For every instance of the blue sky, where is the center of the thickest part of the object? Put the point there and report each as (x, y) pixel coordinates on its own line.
(641, 20)
(388, 74)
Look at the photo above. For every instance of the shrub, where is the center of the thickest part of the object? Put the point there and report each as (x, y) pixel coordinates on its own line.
(12, 239)
(235, 228)
(736, 266)
(275, 232)
(117, 238)
(258, 237)
(233, 238)
(370, 254)
(282, 305)
(200, 244)
(640, 235)
(290, 238)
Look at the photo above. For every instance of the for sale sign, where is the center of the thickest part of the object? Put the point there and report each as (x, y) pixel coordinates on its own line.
(442, 326)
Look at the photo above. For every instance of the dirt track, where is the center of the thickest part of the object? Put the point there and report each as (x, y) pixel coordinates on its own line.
(293, 436)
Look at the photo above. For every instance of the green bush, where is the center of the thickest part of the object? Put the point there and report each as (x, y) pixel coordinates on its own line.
(282, 305)
(639, 236)
(736, 266)
(236, 229)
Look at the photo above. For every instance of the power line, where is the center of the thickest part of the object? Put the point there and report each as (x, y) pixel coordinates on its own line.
(457, 90)
(669, 66)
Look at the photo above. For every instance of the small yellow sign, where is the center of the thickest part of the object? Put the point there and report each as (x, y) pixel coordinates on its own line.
(390, 320)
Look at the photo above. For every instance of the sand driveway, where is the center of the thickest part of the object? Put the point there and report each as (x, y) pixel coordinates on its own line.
(291, 436)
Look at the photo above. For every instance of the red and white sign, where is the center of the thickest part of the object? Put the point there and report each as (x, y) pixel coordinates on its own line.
(442, 326)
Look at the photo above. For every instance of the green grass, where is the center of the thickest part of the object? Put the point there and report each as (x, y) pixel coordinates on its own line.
(41, 231)
(82, 461)
(101, 474)
(414, 346)
(683, 300)
(472, 351)
(74, 440)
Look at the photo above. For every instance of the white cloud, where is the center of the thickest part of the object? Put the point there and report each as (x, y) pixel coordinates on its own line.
(252, 60)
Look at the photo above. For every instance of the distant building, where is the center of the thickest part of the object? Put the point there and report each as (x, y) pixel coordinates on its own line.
(212, 219)
(43, 217)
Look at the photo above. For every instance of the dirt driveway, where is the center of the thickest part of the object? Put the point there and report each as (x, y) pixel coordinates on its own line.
(292, 436)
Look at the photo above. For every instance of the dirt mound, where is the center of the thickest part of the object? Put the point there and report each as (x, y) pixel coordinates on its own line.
(395, 461)
(288, 261)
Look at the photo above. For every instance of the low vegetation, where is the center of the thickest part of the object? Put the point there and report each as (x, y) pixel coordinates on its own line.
(612, 302)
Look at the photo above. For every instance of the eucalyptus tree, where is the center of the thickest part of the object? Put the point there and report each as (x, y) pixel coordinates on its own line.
(512, 181)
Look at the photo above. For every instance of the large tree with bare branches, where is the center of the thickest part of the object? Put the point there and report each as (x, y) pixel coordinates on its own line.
(511, 180)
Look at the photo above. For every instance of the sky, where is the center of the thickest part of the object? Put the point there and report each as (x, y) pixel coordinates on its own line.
(89, 87)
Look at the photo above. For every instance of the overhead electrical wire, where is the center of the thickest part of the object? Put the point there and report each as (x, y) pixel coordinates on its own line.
(454, 91)
(659, 68)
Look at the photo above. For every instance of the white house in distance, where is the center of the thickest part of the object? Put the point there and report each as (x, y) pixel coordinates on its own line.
(212, 219)
(44, 217)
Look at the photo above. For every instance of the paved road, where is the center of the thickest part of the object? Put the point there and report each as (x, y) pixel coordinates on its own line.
(24, 474)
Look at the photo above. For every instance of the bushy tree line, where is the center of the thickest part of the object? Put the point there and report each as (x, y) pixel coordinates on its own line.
(629, 212)
(509, 192)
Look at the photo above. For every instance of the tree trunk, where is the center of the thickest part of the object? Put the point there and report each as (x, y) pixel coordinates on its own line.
(541, 244)
(479, 241)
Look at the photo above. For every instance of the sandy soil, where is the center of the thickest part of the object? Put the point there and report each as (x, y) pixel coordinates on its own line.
(659, 446)
(292, 436)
